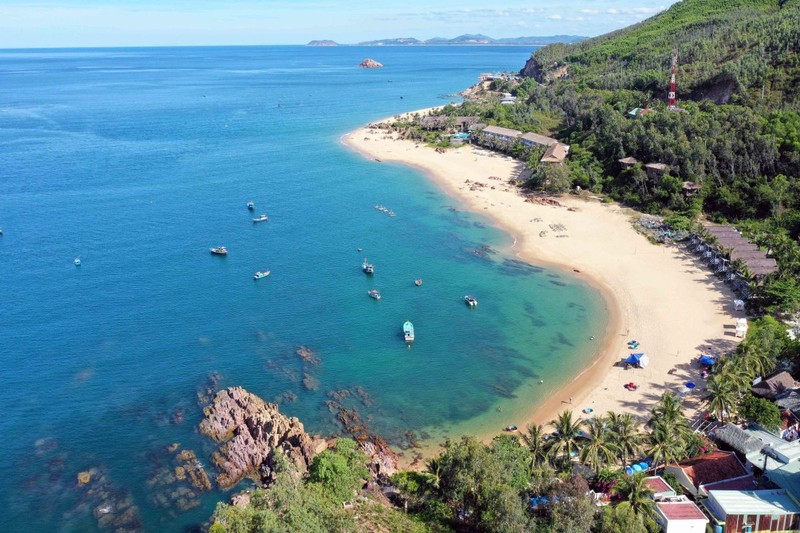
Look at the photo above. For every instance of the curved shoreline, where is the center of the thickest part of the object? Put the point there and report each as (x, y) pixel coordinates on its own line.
(655, 294)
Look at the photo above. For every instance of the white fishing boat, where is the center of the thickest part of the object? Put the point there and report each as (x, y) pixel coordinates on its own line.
(251, 206)
(262, 218)
(219, 250)
(408, 331)
(375, 294)
(77, 261)
(259, 275)
(471, 301)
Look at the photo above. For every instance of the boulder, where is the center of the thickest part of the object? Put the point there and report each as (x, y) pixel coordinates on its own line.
(251, 431)
(370, 63)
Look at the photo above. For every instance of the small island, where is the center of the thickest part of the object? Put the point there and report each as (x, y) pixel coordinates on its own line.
(322, 42)
(370, 63)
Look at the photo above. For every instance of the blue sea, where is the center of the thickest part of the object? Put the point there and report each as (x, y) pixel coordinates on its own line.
(140, 160)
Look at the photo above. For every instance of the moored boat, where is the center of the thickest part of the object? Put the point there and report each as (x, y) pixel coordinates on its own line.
(374, 294)
(408, 331)
(471, 301)
(219, 250)
(77, 261)
(368, 268)
(417, 282)
(262, 218)
(259, 275)
(251, 206)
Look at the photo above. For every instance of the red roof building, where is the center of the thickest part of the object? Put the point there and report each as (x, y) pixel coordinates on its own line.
(706, 469)
(680, 517)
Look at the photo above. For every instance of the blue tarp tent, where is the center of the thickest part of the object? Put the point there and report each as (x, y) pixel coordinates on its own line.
(707, 360)
(640, 359)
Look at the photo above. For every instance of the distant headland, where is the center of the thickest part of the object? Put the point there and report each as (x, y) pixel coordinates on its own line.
(467, 39)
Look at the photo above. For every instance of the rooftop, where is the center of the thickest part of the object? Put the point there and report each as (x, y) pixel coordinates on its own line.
(556, 153)
(497, 130)
(535, 138)
(774, 385)
(747, 482)
(787, 477)
(738, 439)
(712, 467)
(754, 502)
(657, 484)
(756, 261)
(681, 511)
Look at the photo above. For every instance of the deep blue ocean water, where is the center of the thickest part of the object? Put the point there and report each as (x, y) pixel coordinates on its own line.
(139, 160)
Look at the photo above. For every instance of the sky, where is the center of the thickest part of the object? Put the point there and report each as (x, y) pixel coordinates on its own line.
(90, 23)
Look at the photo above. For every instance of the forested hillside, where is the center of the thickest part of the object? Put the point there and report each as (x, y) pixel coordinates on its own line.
(745, 51)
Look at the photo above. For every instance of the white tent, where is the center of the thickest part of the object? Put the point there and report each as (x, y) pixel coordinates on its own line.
(644, 360)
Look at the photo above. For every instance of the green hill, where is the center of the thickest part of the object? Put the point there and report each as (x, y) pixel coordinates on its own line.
(728, 50)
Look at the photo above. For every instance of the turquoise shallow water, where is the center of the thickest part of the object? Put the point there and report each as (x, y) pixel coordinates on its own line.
(139, 160)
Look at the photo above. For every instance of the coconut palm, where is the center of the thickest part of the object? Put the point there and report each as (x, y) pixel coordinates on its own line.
(432, 475)
(636, 492)
(668, 408)
(723, 396)
(627, 435)
(566, 439)
(535, 440)
(665, 443)
(600, 448)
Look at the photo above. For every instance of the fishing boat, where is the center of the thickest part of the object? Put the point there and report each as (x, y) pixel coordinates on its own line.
(259, 275)
(251, 206)
(471, 301)
(512, 427)
(262, 218)
(417, 282)
(368, 268)
(219, 250)
(77, 261)
(408, 331)
(374, 294)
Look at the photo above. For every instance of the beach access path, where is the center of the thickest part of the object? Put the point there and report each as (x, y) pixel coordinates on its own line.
(658, 295)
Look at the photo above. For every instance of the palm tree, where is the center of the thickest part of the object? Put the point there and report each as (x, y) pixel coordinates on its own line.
(432, 476)
(636, 492)
(600, 448)
(535, 440)
(627, 435)
(723, 396)
(665, 444)
(668, 408)
(565, 441)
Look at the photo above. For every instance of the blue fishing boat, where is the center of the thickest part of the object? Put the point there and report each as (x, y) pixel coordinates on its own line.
(408, 331)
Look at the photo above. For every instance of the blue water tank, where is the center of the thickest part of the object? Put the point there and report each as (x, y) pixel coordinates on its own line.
(717, 528)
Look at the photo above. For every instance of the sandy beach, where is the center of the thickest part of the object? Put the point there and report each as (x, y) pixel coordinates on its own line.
(656, 294)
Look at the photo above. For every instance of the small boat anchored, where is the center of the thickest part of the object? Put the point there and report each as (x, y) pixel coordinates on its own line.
(251, 206)
(408, 331)
(374, 294)
(77, 261)
(368, 268)
(262, 218)
(219, 250)
(471, 301)
(259, 275)
(417, 282)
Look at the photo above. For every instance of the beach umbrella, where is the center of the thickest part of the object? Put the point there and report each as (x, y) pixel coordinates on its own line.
(690, 385)
(707, 360)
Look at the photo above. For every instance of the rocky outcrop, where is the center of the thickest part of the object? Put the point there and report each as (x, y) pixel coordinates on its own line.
(370, 63)
(252, 431)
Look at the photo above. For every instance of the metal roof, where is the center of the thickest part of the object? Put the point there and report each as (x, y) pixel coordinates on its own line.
(754, 502)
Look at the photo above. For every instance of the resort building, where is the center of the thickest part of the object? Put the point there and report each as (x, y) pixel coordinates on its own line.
(660, 488)
(555, 154)
(787, 477)
(758, 510)
(508, 99)
(656, 171)
(444, 122)
(534, 139)
(772, 386)
(628, 162)
(728, 238)
(706, 469)
(680, 517)
(501, 134)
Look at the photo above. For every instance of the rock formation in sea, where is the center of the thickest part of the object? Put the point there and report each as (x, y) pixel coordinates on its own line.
(370, 63)
(251, 431)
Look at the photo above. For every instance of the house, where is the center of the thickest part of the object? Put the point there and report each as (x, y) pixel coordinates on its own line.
(534, 139)
(706, 469)
(660, 488)
(555, 154)
(787, 477)
(747, 482)
(755, 510)
(501, 134)
(769, 388)
(508, 99)
(680, 517)
(628, 162)
(637, 112)
(738, 440)
(691, 189)
(656, 171)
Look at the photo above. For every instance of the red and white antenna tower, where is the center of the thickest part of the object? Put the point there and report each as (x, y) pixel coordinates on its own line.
(672, 102)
